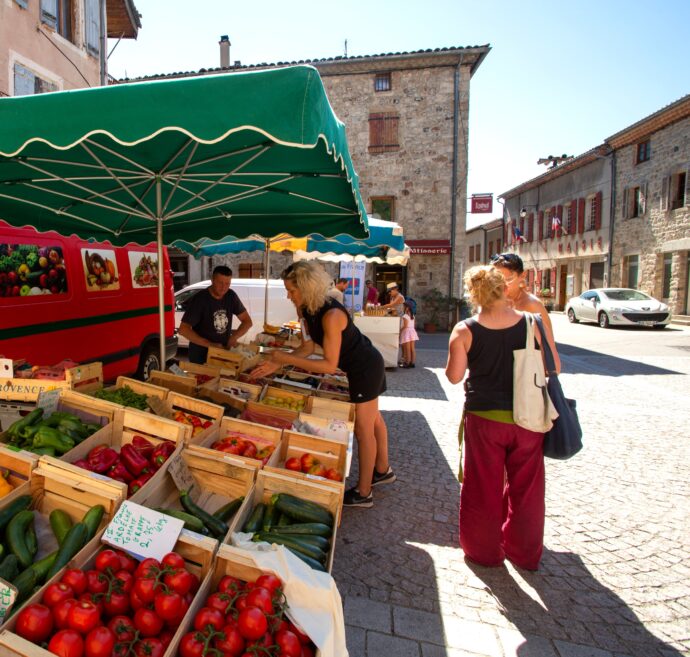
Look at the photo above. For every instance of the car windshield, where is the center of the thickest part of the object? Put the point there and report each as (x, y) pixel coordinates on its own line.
(626, 295)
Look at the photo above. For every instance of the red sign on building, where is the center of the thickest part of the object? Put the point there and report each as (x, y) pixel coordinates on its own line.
(429, 247)
(482, 204)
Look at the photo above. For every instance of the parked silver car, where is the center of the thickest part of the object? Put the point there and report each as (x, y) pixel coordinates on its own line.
(618, 306)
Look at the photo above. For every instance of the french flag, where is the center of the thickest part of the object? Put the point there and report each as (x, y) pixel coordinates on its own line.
(517, 234)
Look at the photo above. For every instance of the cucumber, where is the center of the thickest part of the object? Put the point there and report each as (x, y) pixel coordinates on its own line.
(13, 508)
(75, 540)
(270, 517)
(302, 510)
(24, 583)
(16, 537)
(313, 563)
(42, 566)
(320, 542)
(190, 522)
(305, 529)
(217, 527)
(294, 543)
(256, 519)
(60, 523)
(9, 567)
(227, 511)
(31, 540)
(92, 519)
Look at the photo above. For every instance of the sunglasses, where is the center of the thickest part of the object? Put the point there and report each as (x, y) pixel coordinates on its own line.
(505, 257)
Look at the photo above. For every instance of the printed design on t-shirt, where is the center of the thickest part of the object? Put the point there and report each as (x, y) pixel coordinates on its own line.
(220, 321)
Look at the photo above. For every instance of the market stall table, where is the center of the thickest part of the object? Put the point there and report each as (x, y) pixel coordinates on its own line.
(384, 333)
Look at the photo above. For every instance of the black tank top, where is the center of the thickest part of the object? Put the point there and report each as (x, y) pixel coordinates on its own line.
(355, 349)
(489, 385)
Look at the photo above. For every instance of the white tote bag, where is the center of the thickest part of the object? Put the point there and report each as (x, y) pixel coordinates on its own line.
(532, 406)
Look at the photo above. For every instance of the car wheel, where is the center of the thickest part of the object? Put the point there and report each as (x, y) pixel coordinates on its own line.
(150, 360)
(571, 316)
(603, 320)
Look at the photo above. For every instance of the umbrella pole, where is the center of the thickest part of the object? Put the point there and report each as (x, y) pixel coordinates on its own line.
(267, 259)
(161, 274)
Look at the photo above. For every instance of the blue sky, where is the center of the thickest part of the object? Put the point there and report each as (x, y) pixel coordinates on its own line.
(560, 77)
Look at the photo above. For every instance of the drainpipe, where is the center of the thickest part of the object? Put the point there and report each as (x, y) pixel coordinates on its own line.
(454, 177)
(104, 46)
(612, 214)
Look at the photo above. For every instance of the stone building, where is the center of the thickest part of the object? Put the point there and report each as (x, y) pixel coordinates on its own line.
(616, 215)
(55, 45)
(407, 126)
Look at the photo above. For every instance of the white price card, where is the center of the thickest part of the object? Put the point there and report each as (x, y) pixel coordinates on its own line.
(8, 594)
(142, 532)
(181, 475)
(48, 400)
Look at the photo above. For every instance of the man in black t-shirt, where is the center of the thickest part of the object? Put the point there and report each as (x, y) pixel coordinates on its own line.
(207, 320)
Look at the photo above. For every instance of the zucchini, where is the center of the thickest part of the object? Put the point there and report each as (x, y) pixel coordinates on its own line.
(16, 537)
(92, 519)
(9, 567)
(313, 563)
(292, 542)
(217, 527)
(270, 517)
(60, 523)
(320, 542)
(305, 529)
(302, 510)
(13, 508)
(31, 540)
(256, 519)
(24, 583)
(227, 511)
(75, 540)
(283, 521)
(42, 566)
(190, 522)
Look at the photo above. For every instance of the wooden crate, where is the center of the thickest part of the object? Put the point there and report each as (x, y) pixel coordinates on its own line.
(220, 391)
(127, 424)
(204, 410)
(197, 551)
(192, 369)
(330, 453)
(185, 385)
(342, 394)
(323, 422)
(331, 409)
(83, 377)
(287, 396)
(217, 482)
(232, 360)
(140, 387)
(264, 434)
(271, 416)
(296, 382)
(269, 483)
(19, 465)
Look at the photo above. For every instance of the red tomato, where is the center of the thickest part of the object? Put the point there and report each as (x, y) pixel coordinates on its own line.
(124, 580)
(122, 627)
(270, 582)
(34, 623)
(76, 578)
(279, 625)
(168, 605)
(100, 642)
(252, 623)
(207, 616)
(107, 559)
(61, 611)
(219, 601)
(249, 450)
(261, 598)
(145, 589)
(56, 593)
(293, 463)
(67, 643)
(116, 604)
(149, 648)
(288, 643)
(181, 581)
(97, 582)
(146, 567)
(192, 645)
(166, 636)
(147, 622)
(173, 560)
(230, 641)
(135, 601)
(241, 603)
(127, 562)
(83, 617)
(229, 584)
(93, 598)
(307, 651)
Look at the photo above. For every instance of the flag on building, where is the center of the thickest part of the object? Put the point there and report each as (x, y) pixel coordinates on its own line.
(517, 234)
(555, 223)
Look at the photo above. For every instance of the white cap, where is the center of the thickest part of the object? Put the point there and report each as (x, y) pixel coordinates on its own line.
(390, 286)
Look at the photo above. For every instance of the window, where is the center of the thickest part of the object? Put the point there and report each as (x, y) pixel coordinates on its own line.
(679, 190)
(591, 213)
(634, 201)
(478, 252)
(568, 219)
(59, 15)
(383, 132)
(491, 247)
(251, 270)
(631, 267)
(471, 254)
(666, 285)
(26, 82)
(382, 82)
(498, 245)
(92, 25)
(384, 207)
(644, 151)
(22, 3)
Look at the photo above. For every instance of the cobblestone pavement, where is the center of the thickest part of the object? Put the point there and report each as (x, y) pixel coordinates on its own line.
(615, 576)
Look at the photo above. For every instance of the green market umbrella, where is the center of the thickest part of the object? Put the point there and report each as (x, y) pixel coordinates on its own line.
(242, 154)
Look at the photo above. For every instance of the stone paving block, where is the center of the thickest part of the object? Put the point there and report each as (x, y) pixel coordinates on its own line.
(515, 644)
(419, 625)
(470, 636)
(431, 650)
(384, 645)
(567, 649)
(356, 639)
(367, 614)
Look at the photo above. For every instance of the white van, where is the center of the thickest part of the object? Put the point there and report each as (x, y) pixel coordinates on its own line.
(252, 292)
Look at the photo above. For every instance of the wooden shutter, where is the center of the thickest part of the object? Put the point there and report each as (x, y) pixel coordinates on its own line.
(530, 227)
(92, 24)
(49, 12)
(383, 132)
(581, 216)
(597, 210)
(643, 199)
(472, 254)
(626, 203)
(573, 217)
(478, 252)
(665, 193)
(539, 273)
(559, 214)
(540, 221)
(687, 187)
(553, 279)
(491, 247)
(522, 226)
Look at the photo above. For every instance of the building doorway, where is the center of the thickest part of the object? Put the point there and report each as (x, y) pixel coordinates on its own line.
(562, 287)
(385, 274)
(596, 274)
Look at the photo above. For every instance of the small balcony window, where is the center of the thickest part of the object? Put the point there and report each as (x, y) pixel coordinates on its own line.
(382, 82)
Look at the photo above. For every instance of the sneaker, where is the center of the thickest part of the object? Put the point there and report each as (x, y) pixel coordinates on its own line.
(388, 477)
(353, 498)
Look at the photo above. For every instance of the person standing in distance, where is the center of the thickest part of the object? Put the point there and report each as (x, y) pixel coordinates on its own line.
(207, 320)
(372, 294)
(338, 290)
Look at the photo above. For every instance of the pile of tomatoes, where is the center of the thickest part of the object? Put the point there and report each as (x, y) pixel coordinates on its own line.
(239, 443)
(245, 619)
(120, 608)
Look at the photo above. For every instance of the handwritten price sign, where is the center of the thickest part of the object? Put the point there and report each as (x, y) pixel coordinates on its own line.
(143, 532)
(8, 595)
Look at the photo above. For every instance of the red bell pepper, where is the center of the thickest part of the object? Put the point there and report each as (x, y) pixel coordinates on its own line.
(103, 460)
(162, 452)
(143, 446)
(96, 450)
(119, 472)
(137, 483)
(83, 463)
(132, 460)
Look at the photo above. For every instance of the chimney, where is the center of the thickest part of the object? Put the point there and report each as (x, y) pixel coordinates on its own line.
(224, 44)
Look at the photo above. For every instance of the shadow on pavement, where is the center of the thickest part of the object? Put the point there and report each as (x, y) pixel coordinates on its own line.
(577, 360)
(586, 613)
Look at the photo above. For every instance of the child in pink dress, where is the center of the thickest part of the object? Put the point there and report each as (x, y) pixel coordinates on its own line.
(408, 336)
